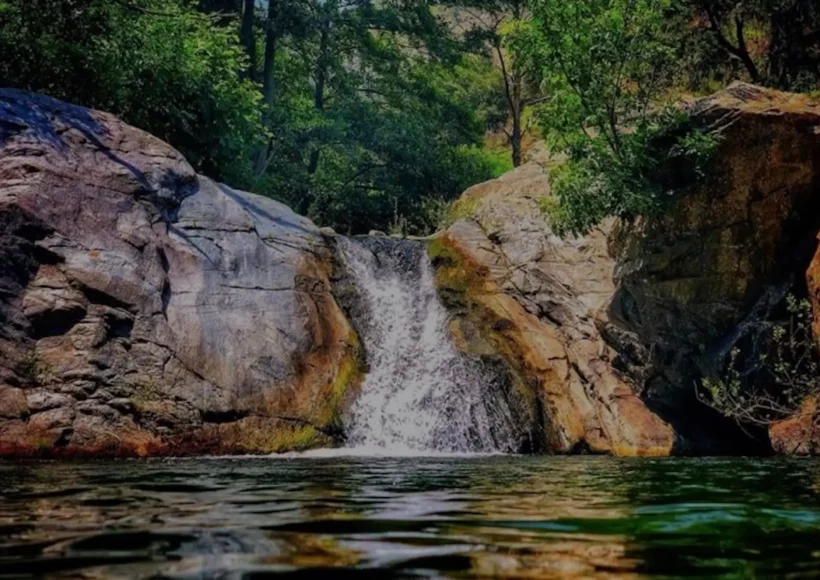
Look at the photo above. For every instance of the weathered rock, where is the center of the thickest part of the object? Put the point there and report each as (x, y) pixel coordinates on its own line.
(702, 279)
(798, 435)
(612, 332)
(532, 298)
(144, 308)
(12, 403)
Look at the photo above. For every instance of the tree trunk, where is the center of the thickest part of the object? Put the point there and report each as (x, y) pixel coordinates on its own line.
(512, 90)
(268, 76)
(741, 51)
(319, 91)
(517, 110)
(271, 42)
(248, 40)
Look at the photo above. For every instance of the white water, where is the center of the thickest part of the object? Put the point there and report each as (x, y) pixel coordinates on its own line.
(420, 395)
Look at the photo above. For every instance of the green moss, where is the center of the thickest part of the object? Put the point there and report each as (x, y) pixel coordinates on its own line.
(477, 327)
(349, 376)
(462, 208)
(454, 279)
(34, 371)
(294, 439)
(148, 395)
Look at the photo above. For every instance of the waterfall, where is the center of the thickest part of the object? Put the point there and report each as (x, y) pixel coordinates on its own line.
(420, 393)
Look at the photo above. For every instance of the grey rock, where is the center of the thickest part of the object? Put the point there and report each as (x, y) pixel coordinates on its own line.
(134, 275)
(41, 400)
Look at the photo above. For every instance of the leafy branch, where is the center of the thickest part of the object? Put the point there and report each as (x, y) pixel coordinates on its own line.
(779, 382)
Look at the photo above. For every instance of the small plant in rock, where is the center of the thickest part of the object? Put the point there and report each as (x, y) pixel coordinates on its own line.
(33, 371)
(450, 213)
(778, 382)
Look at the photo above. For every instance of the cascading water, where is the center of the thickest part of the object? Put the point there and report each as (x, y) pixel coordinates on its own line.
(420, 394)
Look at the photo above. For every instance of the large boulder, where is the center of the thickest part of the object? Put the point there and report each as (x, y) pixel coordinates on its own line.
(146, 309)
(612, 333)
(531, 297)
(704, 278)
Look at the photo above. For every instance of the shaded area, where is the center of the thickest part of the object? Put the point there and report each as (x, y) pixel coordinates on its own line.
(46, 119)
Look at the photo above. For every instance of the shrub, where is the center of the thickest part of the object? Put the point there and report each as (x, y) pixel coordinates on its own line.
(665, 156)
(776, 384)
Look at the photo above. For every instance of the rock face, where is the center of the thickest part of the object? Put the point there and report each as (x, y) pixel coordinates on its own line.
(706, 277)
(612, 332)
(532, 297)
(799, 435)
(146, 309)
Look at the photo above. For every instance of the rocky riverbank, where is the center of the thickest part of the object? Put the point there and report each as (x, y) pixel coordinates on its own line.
(145, 309)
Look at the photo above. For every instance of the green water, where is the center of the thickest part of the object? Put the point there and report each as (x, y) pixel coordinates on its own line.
(534, 517)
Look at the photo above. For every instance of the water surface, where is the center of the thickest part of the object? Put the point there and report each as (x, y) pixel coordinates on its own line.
(411, 517)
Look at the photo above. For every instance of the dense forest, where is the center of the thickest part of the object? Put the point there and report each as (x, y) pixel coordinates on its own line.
(376, 114)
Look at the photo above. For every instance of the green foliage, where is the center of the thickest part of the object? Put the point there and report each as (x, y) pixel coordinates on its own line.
(779, 381)
(370, 108)
(663, 158)
(160, 65)
(604, 67)
(390, 129)
(376, 115)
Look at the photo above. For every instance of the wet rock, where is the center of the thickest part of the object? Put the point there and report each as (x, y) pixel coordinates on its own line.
(523, 293)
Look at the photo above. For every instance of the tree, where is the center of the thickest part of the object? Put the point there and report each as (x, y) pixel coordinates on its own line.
(483, 23)
(605, 66)
(776, 41)
(160, 65)
(362, 128)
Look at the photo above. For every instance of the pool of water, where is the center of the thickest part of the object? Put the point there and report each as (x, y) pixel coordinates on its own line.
(318, 517)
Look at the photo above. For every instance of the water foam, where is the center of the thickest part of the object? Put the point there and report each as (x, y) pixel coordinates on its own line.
(421, 396)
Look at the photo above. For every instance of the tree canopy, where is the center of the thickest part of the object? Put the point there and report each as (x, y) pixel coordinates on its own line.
(371, 114)
(360, 114)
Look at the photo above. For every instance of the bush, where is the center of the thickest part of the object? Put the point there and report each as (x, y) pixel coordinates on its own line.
(776, 384)
(665, 156)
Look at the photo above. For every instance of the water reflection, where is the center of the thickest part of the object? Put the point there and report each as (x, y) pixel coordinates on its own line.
(492, 516)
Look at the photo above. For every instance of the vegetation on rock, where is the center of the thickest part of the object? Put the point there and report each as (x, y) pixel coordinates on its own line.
(366, 114)
(778, 381)
(374, 115)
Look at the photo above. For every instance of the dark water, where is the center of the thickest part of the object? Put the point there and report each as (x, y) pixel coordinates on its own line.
(522, 517)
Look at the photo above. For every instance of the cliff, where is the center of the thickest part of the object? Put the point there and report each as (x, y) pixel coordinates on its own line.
(145, 309)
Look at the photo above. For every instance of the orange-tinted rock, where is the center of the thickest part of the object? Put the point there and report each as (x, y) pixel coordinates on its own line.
(703, 278)
(613, 331)
(531, 298)
(798, 435)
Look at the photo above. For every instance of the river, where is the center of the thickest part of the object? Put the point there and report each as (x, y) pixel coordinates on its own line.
(446, 516)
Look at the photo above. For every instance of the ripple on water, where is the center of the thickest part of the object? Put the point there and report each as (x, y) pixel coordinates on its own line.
(410, 516)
